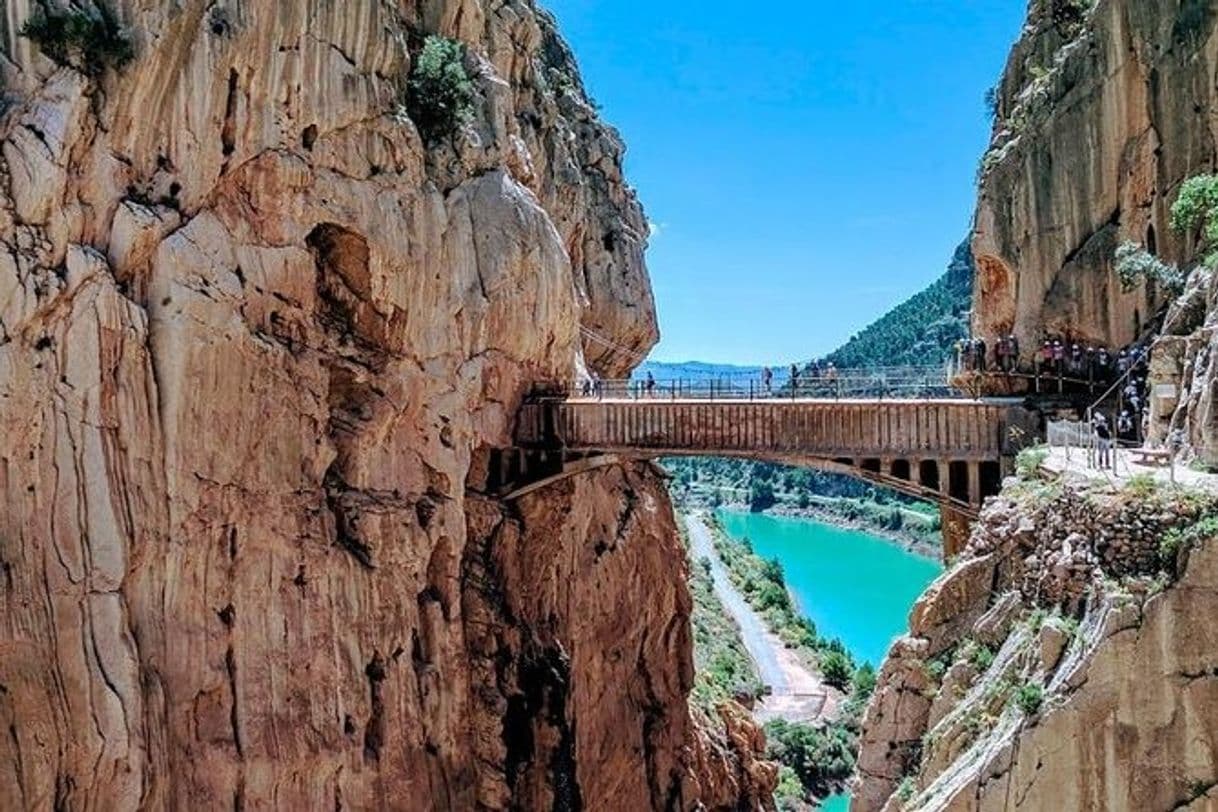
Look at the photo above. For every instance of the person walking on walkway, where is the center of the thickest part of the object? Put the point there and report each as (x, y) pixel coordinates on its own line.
(767, 380)
(979, 352)
(1127, 432)
(1013, 353)
(651, 384)
(1103, 439)
(794, 380)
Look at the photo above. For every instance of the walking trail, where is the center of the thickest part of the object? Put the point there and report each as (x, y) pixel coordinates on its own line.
(797, 692)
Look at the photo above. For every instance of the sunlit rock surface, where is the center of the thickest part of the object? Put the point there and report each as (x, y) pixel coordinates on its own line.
(256, 344)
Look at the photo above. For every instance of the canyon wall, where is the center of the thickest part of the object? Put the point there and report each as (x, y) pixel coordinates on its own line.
(1066, 661)
(1100, 115)
(1069, 661)
(257, 345)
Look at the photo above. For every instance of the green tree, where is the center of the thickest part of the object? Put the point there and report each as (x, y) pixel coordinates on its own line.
(439, 93)
(837, 669)
(864, 681)
(87, 39)
(761, 496)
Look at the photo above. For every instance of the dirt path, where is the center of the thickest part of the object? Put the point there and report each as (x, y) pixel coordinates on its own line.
(797, 693)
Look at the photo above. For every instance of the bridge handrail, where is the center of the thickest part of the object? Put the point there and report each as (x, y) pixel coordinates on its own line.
(907, 383)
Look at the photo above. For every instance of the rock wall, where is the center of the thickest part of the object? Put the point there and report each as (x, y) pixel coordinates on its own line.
(257, 343)
(1100, 115)
(1067, 662)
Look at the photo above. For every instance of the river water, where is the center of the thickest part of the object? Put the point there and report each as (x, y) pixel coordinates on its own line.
(852, 585)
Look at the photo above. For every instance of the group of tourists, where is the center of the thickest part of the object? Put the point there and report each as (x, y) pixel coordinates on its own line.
(1056, 358)
(972, 355)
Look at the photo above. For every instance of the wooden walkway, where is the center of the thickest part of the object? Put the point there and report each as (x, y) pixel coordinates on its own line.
(952, 451)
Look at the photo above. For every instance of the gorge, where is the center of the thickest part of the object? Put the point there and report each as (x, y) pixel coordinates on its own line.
(276, 281)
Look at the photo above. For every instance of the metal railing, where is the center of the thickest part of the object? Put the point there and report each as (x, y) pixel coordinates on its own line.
(882, 383)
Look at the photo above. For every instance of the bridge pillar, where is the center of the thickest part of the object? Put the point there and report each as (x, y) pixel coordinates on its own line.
(974, 484)
(957, 527)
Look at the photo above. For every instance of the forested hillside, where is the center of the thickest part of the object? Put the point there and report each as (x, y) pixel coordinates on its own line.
(921, 330)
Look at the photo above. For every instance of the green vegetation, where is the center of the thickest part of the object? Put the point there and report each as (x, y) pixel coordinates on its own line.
(821, 758)
(1029, 697)
(89, 40)
(1029, 460)
(1185, 537)
(979, 654)
(906, 790)
(1142, 486)
(837, 669)
(789, 794)
(1135, 265)
(722, 668)
(921, 331)
(762, 584)
(761, 496)
(439, 94)
(1196, 207)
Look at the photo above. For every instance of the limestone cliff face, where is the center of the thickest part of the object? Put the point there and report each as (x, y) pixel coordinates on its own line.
(1069, 661)
(1101, 114)
(256, 345)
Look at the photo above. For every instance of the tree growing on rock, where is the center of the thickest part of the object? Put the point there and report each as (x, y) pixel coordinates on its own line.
(439, 94)
(89, 40)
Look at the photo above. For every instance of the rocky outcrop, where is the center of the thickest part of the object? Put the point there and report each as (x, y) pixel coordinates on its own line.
(1080, 645)
(1102, 111)
(257, 346)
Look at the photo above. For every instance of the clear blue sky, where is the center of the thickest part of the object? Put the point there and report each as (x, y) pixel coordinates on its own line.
(805, 164)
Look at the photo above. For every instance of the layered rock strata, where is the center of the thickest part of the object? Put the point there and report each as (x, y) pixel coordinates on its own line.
(258, 345)
(1103, 110)
(1067, 662)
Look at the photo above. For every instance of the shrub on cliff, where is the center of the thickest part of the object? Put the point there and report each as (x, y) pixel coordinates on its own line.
(1029, 697)
(1134, 264)
(1196, 207)
(87, 39)
(439, 94)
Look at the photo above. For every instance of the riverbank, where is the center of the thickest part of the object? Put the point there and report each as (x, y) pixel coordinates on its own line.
(796, 691)
(819, 511)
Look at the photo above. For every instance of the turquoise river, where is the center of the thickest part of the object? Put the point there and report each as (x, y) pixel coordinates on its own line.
(852, 585)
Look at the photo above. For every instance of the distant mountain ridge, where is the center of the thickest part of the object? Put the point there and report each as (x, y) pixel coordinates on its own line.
(923, 329)
(920, 331)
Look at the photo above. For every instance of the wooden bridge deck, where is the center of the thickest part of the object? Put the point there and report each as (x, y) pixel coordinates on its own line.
(941, 428)
(952, 451)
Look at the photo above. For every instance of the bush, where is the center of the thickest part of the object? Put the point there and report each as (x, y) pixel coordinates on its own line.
(86, 39)
(1184, 538)
(1029, 697)
(979, 654)
(1134, 264)
(761, 496)
(1142, 486)
(1029, 461)
(864, 681)
(819, 758)
(1196, 207)
(837, 669)
(439, 94)
(789, 794)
